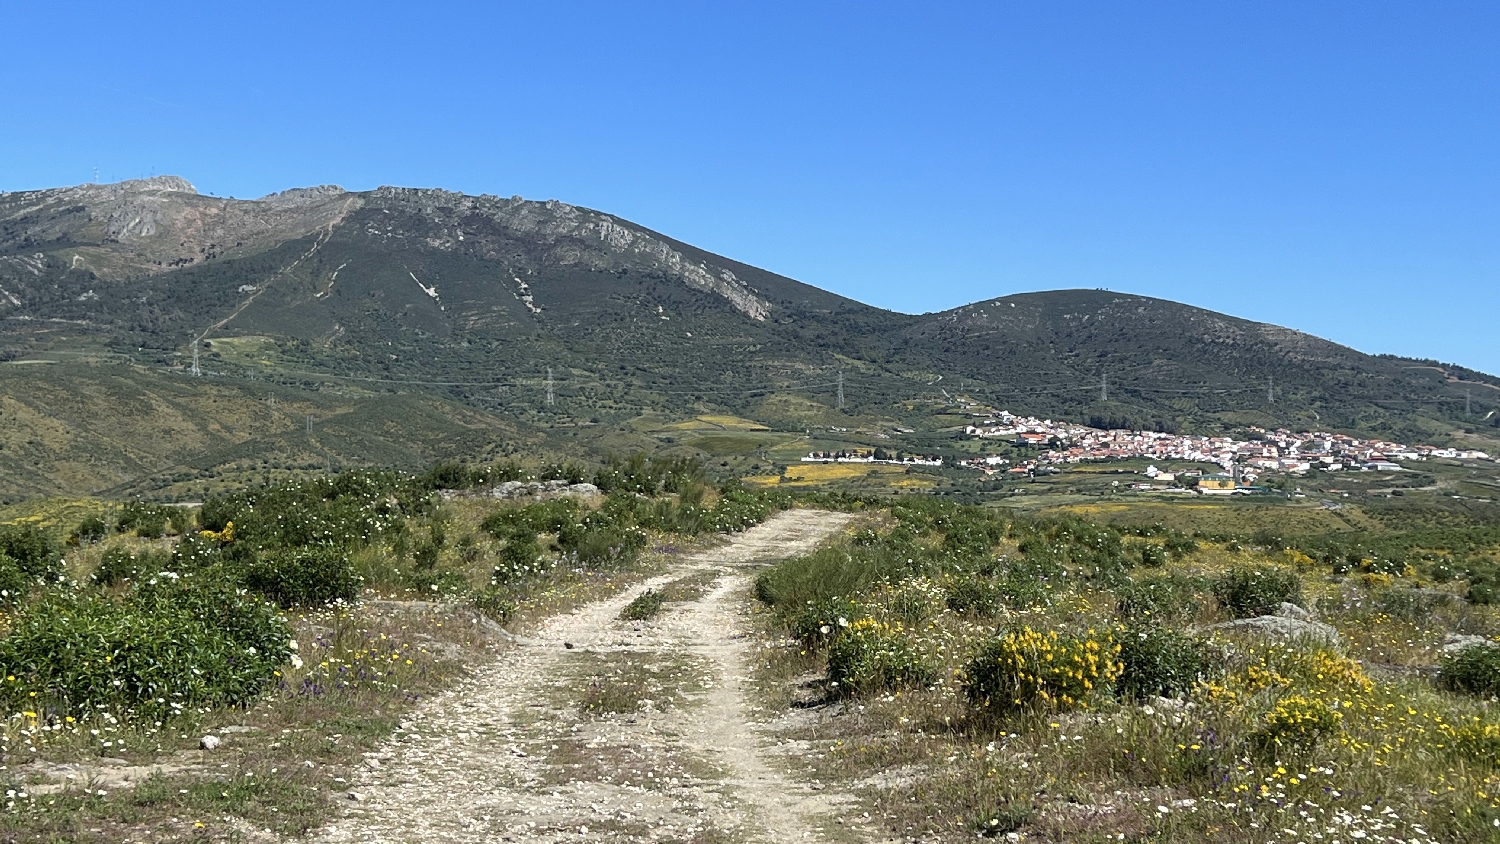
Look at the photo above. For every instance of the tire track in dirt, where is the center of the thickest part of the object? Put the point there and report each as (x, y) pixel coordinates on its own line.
(506, 756)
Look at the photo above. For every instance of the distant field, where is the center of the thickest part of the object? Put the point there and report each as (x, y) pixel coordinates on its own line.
(735, 443)
(56, 513)
(1222, 516)
(715, 422)
(815, 474)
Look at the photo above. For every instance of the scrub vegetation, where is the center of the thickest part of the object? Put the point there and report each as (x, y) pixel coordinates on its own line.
(1041, 679)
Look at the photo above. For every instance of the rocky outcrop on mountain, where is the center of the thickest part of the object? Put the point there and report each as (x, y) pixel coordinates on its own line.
(566, 234)
(151, 226)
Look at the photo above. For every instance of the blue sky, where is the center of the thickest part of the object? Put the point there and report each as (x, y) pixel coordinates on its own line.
(1333, 167)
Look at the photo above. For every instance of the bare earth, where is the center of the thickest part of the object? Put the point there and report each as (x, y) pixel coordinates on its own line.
(509, 755)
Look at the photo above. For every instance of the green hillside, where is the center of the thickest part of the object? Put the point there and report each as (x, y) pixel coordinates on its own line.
(416, 324)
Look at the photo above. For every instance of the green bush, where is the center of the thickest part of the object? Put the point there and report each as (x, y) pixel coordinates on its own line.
(822, 575)
(442, 580)
(196, 551)
(598, 546)
(303, 577)
(90, 530)
(975, 594)
(1482, 591)
(1252, 591)
(869, 656)
(495, 603)
(344, 511)
(1160, 661)
(643, 607)
(822, 621)
(1153, 555)
(1181, 545)
(120, 564)
(14, 583)
(1165, 598)
(143, 519)
(1408, 604)
(33, 549)
(518, 560)
(648, 476)
(1475, 670)
(912, 600)
(986, 595)
(543, 517)
(174, 643)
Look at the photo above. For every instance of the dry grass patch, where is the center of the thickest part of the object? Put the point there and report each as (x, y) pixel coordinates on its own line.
(624, 682)
(280, 761)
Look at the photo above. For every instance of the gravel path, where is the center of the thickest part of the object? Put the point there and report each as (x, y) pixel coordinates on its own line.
(509, 756)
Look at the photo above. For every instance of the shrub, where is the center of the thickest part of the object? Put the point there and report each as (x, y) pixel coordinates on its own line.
(1474, 669)
(737, 510)
(171, 645)
(911, 601)
(648, 476)
(1482, 591)
(1299, 721)
(518, 560)
(987, 595)
(495, 603)
(121, 564)
(145, 520)
(90, 530)
(1251, 591)
(198, 550)
(303, 577)
(599, 546)
(1475, 738)
(14, 582)
(544, 517)
(1160, 661)
(444, 580)
(34, 550)
(1158, 599)
(1180, 545)
(345, 511)
(643, 607)
(870, 656)
(1409, 604)
(1032, 669)
(823, 575)
(1153, 555)
(822, 621)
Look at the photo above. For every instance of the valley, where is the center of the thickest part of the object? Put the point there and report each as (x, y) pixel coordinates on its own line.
(406, 515)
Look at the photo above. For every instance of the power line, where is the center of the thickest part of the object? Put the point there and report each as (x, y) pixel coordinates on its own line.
(549, 387)
(841, 389)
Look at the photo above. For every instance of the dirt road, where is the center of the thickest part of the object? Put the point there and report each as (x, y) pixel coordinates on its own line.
(515, 754)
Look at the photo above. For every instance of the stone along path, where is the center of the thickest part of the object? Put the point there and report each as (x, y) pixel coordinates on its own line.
(509, 755)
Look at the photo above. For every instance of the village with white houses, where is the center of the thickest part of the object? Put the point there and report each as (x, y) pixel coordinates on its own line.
(1243, 461)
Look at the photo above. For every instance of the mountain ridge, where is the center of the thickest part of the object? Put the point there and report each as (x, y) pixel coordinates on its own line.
(474, 300)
